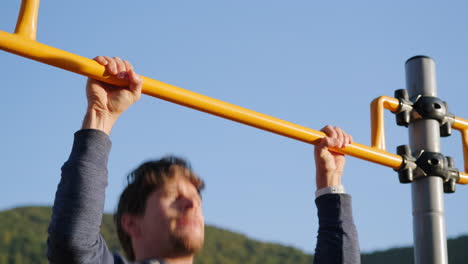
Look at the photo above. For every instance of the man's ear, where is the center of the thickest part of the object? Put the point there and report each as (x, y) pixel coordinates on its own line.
(131, 225)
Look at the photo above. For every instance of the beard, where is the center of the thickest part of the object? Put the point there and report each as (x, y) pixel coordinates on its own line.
(186, 244)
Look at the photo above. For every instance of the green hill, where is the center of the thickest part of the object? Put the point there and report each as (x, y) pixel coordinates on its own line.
(23, 233)
(456, 250)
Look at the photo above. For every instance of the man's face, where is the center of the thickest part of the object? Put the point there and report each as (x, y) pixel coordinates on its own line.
(173, 219)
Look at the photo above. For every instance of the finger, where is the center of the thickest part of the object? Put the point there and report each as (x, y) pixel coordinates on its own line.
(332, 142)
(121, 68)
(101, 60)
(345, 138)
(111, 66)
(128, 65)
(348, 139)
(134, 78)
(321, 144)
(329, 130)
(351, 140)
(340, 137)
(136, 82)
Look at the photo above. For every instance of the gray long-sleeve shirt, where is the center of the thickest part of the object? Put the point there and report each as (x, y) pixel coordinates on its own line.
(74, 235)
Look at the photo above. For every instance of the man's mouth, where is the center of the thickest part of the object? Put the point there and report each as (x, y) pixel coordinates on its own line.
(189, 222)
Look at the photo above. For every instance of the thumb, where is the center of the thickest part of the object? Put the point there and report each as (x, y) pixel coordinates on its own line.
(136, 82)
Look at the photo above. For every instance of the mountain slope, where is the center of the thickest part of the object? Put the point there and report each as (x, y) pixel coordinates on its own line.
(23, 234)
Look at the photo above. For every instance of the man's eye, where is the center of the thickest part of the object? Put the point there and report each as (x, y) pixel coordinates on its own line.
(171, 194)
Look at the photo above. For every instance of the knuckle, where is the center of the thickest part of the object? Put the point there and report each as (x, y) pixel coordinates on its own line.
(327, 129)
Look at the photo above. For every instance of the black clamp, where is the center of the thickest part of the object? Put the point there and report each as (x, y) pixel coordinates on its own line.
(405, 172)
(427, 164)
(403, 114)
(424, 107)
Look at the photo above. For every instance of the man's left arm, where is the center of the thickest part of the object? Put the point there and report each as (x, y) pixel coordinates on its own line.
(337, 240)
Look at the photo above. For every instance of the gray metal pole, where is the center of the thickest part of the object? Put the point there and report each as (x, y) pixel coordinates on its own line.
(430, 241)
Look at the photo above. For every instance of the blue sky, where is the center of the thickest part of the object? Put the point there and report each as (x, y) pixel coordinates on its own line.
(308, 62)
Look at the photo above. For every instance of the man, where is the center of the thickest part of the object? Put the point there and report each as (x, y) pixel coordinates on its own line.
(159, 217)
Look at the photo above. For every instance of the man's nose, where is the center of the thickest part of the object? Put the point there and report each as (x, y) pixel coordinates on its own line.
(186, 202)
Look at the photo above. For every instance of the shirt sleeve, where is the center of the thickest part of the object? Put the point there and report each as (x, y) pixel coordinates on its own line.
(330, 189)
(337, 240)
(74, 230)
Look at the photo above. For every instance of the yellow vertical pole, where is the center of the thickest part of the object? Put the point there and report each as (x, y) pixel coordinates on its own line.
(465, 147)
(462, 125)
(377, 119)
(26, 25)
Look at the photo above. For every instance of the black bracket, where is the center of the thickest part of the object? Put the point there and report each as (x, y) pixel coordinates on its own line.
(405, 172)
(427, 164)
(403, 114)
(423, 107)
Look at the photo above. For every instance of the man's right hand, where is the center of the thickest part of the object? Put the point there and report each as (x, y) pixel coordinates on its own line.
(329, 165)
(106, 102)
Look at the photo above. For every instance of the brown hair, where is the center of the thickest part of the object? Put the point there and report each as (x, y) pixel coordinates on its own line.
(145, 179)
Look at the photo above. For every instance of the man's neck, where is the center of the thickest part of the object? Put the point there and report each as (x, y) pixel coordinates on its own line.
(179, 260)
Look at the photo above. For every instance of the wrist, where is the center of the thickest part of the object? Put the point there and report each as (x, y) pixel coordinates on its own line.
(328, 180)
(99, 120)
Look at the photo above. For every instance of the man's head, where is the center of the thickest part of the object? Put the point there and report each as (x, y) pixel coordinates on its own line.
(159, 212)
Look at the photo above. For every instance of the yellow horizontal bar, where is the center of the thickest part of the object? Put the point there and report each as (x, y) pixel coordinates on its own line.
(377, 119)
(26, 25)
(71, 62)
(463, 178)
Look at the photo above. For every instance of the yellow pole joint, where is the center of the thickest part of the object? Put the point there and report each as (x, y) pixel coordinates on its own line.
(377, 119)
(26, 26)
(394, 105)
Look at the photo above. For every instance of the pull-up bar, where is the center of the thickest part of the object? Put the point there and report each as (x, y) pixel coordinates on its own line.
(23, 43)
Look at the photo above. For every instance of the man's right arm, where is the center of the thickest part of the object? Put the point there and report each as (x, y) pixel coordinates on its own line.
(79, 202)
(77, 213)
